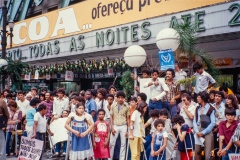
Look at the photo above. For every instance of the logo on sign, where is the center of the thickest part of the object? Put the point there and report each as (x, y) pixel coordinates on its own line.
(166, 59)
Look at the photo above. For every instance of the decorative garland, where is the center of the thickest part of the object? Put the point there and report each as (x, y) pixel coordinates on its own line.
(78, 66)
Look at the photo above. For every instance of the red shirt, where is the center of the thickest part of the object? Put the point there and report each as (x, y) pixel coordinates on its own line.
(227, 132)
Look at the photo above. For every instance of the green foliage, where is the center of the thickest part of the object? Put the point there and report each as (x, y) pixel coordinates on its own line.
(188, 45)
(14, 70)
(127, 83)
(187, 81)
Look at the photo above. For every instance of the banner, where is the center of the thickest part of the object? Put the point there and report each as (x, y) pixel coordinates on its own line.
(30, 149)
(59, 130)
(48, 77)
(166, 58)
(90, 15)
(69, 76)
(36, 75)
(110, 71)
(234, 156)
(27, 77)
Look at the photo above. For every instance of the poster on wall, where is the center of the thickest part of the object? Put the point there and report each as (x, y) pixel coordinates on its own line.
(48, 77)
(36, 76)
(69, 76)
(110, 71)
(166, 59)
(27, 77)
(30, 149)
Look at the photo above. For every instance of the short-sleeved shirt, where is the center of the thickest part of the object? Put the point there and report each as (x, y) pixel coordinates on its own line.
(120, 116)
(138, 130)
(49, 106)
(42, 122)
(189, 139)
(131, 110)
(192, 110)
(80, 118)
(180, 76)
(174, 88)
(23, 106)
(59, 105)
(153, 129)
(30, 116)
(202, 81)
(159, 137)
(227, 132)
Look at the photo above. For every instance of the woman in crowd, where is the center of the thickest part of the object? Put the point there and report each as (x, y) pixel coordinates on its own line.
(15, 118)
(231, 101)
(30, 116)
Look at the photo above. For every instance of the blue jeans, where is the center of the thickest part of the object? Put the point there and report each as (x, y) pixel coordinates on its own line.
(40, 136)
(58, 146)
(147, 144)
(231, 150)
(172, 109)
(155, 105)
(8, 138)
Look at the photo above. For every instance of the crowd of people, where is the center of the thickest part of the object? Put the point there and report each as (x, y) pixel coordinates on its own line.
(105, 124)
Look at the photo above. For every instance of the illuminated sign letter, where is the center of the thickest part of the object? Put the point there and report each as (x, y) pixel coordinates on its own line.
(44, 27)
(67, 21)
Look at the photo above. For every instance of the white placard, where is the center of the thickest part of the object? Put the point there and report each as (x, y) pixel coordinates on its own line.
(36, 75)
(30, 149)
(48, 77)
(60, 132)
(69, 76)
(234, 156)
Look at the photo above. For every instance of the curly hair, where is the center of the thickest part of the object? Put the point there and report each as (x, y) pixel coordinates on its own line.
(143, 96)
(154, 113)
(178, 119)
(163, 112)
(159, 121)
(103, 92)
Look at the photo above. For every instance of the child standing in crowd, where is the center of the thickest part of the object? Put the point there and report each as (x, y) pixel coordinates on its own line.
(226, 131)
(137, 130)
(154, 114)
(101, 133)
(159, 141)
(186, 143)
(81, 126)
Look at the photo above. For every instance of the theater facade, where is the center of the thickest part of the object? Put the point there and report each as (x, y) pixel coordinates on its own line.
(93, 30)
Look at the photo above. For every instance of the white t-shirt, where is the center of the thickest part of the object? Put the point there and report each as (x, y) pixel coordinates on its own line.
(151, 121)
(60, 105)
(42, 122)
(138, 130)
(23, 106)
(80, 118)
(192, 110)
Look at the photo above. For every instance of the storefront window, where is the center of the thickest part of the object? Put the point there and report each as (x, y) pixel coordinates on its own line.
(226, 80)
(68, 86)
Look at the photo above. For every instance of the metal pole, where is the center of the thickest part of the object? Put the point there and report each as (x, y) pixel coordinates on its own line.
(135, 81)
(4, 34)
(4, 30)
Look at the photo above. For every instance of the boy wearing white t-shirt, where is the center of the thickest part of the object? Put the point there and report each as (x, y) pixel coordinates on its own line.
(40, 123)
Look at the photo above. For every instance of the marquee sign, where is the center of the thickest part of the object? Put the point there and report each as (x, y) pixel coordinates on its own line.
(91, 15)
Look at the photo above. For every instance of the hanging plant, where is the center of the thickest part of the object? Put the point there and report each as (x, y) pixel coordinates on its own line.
(127, 84)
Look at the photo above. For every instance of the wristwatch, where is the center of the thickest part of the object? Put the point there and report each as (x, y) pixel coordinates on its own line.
(225, 149)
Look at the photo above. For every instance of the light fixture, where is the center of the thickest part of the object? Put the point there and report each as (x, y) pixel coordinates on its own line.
(135, 56)
(3, 62)
(11, 25)
(167, 38)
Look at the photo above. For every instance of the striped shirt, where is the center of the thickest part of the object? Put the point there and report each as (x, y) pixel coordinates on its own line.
(174, 88)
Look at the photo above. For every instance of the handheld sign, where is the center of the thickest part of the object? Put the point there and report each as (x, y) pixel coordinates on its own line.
(30, 149)
(234, 156)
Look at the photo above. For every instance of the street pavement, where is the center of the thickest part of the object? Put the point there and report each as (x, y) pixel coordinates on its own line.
(45, 157)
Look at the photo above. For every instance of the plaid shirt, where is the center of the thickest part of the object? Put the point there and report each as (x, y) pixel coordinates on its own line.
(236, 135)
(174, 88)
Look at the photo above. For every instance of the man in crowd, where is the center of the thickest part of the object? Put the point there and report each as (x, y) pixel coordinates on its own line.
(179, 75)
(169, 100)
(22, 103)
(5, 92)
(203, 124)
(119, 123)
(60, 103)
(225, 92)
(203, 79)
(49, 104)
(187, 110)
(158, 90)
(34, 92)
(91, 105)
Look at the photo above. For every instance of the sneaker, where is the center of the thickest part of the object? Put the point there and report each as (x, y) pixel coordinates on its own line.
(56, 154)
(63, 154)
